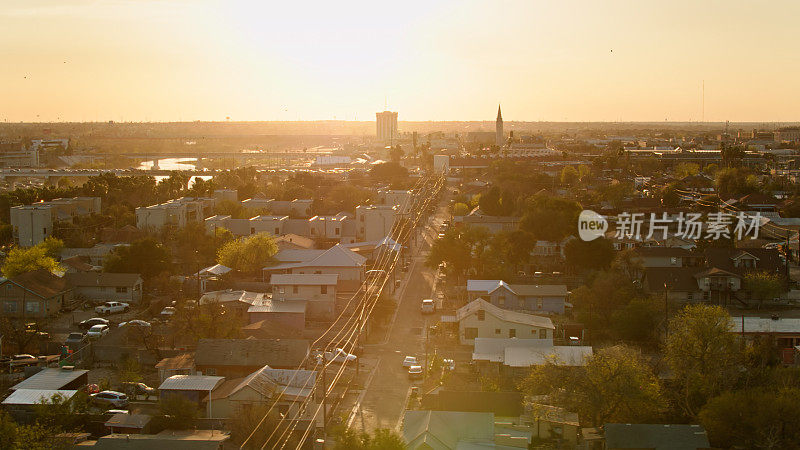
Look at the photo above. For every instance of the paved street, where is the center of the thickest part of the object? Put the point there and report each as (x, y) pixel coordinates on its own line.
(388, 386)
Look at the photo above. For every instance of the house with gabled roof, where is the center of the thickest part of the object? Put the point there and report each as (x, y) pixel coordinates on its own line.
(480, 318)
(33, 295)
(240, 357)
(122, 287)
(317, 290)
(287, 387)
(531, 298)
(338, 259)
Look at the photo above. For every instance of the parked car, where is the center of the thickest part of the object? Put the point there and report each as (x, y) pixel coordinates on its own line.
(167, 312)
(428, 306)
(135, 323)
(97, 331)
(112, 307)
(89, 323)
(76, 340)
(338, 355)
(131, 388)
(112, 412)
(110, 398)
(415, 372)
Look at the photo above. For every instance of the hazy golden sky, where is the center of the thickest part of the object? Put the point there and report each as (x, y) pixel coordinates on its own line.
(433, 60)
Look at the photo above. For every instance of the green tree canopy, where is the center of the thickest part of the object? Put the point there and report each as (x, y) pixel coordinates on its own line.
(248, 255)
(41, 256)
(702, 353)
(763, 285)
(146, 256)
(616, 385)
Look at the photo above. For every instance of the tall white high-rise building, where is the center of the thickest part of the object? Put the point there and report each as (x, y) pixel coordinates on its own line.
(386, 126)
(498, 129)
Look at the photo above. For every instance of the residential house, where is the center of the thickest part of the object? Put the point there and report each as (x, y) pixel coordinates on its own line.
(171, 439)
(126, 423)
(176, 213)
(451, 430)
(234, 358)
(493, 224)
(318, 290)
(195, 388)
(237, 301)
(76, 264)
(23, 403)
(31, 224)
(285, 313)
(783, 331)
(298, 208)
(54, 379)
(289, 388)
(175, 365)
(530, 298)
(270, 328)
(324, 229)
(512, 357)
(339, 260)
(96, 255)
(481, 319)
(620, 436)
(375, 222)
(101, 287)
(34, 295)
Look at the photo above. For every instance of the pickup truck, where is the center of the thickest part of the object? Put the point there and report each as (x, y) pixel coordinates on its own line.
(112, 307)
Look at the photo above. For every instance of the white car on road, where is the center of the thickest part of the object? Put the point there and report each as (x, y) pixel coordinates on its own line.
(410, 361)
(338, 355)
(112, 307)
(97, 331)
(428, 306)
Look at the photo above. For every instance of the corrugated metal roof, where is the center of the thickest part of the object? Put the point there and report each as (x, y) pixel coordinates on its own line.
(50, 378)
(765, 325)
(503, 314)
(190, 383)
(35, 396)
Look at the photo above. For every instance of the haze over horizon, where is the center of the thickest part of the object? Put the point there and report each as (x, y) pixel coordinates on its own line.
(182, 60)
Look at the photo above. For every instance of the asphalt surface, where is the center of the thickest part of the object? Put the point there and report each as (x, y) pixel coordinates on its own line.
(387, 383)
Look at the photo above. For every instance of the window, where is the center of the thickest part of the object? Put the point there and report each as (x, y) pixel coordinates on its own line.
(521, 303)
(32, 307)
(122, 290)
(470, 333)
(497, 331)
(512, 332)
(336, 230)
(673, 260)
(318, 272)
(294, 289)
(481, 315)
(323, 289)
(313, 231)
(10, 307)
(277, 231)
(252, 230)
(501, 300)
(689, 296)
(281, 290)
(542, 334)
(211, 371)
(44, 230)
(540, 303)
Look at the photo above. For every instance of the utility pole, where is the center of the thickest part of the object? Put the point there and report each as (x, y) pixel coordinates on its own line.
(324, 400)
(666, 310)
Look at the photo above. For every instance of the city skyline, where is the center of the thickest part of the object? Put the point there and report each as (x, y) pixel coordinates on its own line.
(175, 60)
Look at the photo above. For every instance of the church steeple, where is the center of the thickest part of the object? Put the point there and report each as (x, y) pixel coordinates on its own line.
(499, 137)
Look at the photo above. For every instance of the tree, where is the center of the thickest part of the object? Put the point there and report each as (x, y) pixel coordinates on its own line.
(616, 385)
(390, 172)
(550, 218)
(396, 153)
(569, 175)
(702, 353)
(248, 255)
(41, 256)
(383, 439)
(16, 331)
(638, 321)
(146, 256)
(683, 170)
(244, 422)
(753, 418)
(176, 412)
(589, 255)
(763, 285)
(460, 209)
(207, 321)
